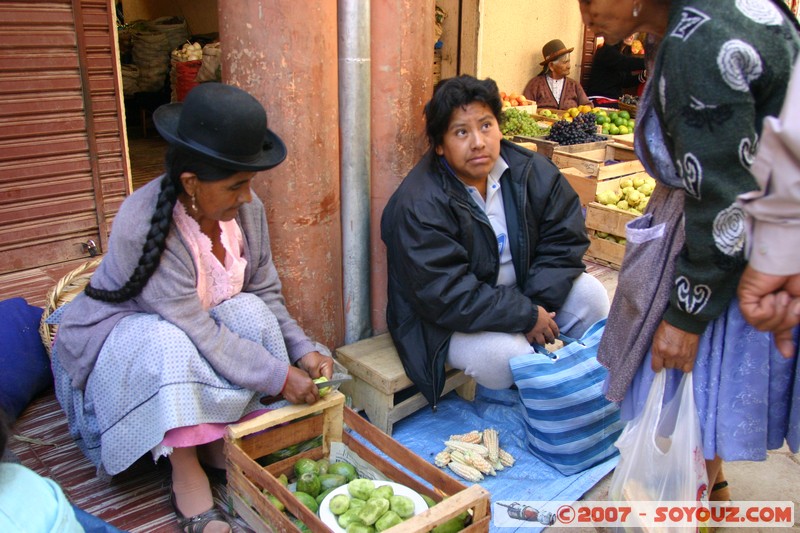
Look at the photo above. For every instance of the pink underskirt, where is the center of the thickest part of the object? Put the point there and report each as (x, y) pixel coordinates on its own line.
(186, 436)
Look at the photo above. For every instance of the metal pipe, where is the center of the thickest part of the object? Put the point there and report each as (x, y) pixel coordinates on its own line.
(354, 125)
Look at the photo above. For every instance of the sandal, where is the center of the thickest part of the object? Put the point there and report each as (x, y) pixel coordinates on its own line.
(198, 522)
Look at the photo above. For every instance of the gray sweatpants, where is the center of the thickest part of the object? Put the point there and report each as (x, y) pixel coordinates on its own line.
(484, 355)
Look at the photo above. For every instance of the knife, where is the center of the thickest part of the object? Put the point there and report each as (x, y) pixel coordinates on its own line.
(335, 382)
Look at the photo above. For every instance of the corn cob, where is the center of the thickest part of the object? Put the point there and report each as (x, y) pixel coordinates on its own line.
(474, 460)
(480, 449)
(473, 436)
(484, 466)
(442, 458)
(497, 465)
(506, 458)
(492, 442)
(467, 472)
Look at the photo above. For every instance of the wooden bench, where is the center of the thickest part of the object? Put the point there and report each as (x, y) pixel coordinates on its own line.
(380, 385)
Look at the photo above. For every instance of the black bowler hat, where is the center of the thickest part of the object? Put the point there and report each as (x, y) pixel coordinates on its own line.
(223, 123)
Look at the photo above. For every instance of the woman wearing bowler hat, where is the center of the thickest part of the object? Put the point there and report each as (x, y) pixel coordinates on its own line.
(183, 326)
(552, 88)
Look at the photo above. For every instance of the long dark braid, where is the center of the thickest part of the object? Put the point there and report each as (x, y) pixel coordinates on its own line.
(177, 162)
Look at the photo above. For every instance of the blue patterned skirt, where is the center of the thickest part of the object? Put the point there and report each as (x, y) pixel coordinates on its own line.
(149, 378)
(747, 394)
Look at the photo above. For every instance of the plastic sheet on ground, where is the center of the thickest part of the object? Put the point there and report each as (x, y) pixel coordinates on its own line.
(529, 480)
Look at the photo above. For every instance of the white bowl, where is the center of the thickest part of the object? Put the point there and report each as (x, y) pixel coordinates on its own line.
(330, 519)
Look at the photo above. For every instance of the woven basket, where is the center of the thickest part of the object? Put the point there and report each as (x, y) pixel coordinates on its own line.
(64, 291)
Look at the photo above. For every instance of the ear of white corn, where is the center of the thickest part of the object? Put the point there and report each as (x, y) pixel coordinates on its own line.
(442, 458)
(492, 442)
(483, 465)
(480, 449)
(473, 436)
(467, 472)
(506, 458)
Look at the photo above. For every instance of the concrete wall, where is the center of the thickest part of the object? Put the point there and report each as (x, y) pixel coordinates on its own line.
(512, 33)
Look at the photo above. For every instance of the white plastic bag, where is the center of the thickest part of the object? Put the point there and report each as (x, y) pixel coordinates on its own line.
(661, 450)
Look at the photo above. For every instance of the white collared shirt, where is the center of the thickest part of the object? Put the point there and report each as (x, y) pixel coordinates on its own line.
(556, 86)
(494, 208)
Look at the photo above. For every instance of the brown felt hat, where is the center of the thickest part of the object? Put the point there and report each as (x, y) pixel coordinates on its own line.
(553, 50)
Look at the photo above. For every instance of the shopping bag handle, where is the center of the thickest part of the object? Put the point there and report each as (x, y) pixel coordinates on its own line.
(538, 348)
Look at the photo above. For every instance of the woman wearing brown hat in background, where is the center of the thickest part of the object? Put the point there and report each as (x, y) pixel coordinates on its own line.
(552, 89)
(183, 326)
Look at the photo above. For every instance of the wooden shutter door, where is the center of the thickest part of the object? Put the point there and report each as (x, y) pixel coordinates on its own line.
(63, 161)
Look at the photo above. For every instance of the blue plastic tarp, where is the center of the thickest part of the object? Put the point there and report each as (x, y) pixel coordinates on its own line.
(529, 480)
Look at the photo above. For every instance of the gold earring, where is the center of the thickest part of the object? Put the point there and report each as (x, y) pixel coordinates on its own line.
(194, 204)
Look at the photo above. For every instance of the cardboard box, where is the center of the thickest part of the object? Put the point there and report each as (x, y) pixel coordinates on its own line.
(276, 430)
(601, 218)
(610, 160)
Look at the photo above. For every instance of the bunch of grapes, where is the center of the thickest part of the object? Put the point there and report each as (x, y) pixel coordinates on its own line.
(582, 129)
(516, 122)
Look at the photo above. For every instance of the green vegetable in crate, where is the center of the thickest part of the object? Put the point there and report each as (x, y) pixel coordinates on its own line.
(322, 495)
(343, 469)
(456, 523)
(323, 465)
(361, 488)
(307, 500)
(373, 510)
(402, 505)
(389, 519)
(384, 491)
(300, 525)
(348, 517)
(331, 481)
(276, 502)
(359, 528)
(283, 480)
(304, 464)
(309, 483)
(430, 501)
(340, 504)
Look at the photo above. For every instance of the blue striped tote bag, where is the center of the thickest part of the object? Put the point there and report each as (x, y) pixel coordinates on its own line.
(569, 423)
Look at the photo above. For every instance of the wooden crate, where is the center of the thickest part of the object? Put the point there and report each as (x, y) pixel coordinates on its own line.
(608, 161)
(380, 385)
(588, 186)
(547, 148)
(247, 480)
(607, 220)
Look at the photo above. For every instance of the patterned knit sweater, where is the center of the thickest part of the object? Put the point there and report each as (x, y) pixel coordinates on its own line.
(721, 68)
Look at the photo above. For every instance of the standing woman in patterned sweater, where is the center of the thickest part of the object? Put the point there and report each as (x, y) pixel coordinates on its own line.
(697, 130)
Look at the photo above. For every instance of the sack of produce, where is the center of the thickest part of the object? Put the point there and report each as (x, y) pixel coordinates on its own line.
(151, 55)
(212, 59)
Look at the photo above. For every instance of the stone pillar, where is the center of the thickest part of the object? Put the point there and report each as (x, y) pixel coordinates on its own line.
(284, 52)
(402, 83)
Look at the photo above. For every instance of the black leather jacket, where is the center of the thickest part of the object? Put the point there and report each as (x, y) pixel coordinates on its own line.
(443, 258)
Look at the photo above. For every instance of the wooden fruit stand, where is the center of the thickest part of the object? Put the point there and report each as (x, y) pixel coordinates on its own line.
(256, 438)
(604, 219)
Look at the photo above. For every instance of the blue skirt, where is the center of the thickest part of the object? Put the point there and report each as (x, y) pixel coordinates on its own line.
(149, 378)
(747, 394)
